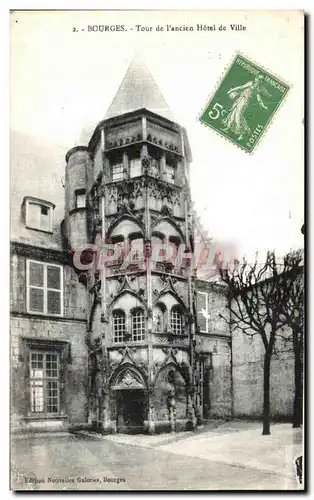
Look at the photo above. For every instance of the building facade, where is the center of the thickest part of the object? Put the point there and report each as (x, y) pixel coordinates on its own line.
(48, 304)
(111, 326)
(128, 193)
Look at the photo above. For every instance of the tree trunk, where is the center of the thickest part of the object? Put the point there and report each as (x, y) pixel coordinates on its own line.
(266, 401)
(298, 399)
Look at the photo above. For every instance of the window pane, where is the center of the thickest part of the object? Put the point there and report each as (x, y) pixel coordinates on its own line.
(44, 383)
(138, 326)
(36, 300)
(36, 274)
(37, 396)
(117, 171)
(52, 365)
(37, 365)
(118, 326)
(37, 359)
(52, 397)
(176, 322)
(53, 302)
(53, 277)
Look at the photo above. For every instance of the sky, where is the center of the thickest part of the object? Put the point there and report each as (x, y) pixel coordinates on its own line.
(63, 80)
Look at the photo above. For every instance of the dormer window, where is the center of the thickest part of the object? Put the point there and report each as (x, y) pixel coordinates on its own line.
(38, 214)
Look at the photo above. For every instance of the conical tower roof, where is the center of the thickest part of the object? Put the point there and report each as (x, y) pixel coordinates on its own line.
(138, 90)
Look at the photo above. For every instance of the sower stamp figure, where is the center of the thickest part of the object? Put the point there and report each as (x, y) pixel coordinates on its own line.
(243, 94)
(244, 103)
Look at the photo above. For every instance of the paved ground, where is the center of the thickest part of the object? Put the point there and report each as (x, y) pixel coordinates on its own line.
(228, 456)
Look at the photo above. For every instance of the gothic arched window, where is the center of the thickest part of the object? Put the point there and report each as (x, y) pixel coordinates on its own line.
(136, 244)
(138, 325)
(118, 325)
(119, 245)
(176, 321)
(174, 243)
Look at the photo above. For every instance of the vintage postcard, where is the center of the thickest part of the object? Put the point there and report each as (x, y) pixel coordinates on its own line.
(157, 250)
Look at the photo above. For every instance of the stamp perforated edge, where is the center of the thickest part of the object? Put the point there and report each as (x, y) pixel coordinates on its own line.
(219, 82)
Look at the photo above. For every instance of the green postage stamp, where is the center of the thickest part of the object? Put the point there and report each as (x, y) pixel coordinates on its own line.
(244, 103)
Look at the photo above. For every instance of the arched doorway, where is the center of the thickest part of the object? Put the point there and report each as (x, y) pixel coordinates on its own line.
(129, 392)
(130, 411)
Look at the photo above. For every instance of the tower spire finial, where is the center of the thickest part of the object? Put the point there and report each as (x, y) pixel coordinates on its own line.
(138, 90)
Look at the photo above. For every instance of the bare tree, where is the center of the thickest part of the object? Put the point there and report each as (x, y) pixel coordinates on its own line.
(292, 311)
(256, 303)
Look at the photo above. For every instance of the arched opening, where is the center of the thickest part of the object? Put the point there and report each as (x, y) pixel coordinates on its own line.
(137, 324)
(176, 320)
(136, 246)
(118, 242)
(119, 327)
(174, 242)
(159, 317)
(129, 394)
(170, 169)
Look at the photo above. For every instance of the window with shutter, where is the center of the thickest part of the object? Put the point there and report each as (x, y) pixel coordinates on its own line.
(202, 311)
(44, 288)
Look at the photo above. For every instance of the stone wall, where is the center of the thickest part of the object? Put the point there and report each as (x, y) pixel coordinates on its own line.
(67, 333)
(217, 376)
(215, 349)
(75, 381)
(247, 372)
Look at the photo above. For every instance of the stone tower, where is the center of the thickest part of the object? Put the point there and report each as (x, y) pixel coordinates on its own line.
(128, 196)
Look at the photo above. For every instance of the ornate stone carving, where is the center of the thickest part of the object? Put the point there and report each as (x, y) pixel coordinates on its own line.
(153, 190)
(97, 222)
(146, 165)
(97, 292)
(138, 189)
(126, 206)
(104, 318)
(140, 217)
(166, 210)
(175, 198)
(112, 194)
(129, 380)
